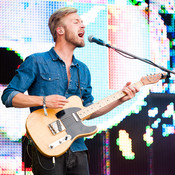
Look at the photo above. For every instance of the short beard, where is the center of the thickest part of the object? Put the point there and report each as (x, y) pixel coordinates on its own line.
(80, 45)
(72, 39)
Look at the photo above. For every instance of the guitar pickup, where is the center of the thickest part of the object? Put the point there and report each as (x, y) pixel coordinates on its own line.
(56, 127)
(60, 141)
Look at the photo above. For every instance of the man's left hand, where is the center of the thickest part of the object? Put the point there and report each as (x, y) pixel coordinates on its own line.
(130, 92)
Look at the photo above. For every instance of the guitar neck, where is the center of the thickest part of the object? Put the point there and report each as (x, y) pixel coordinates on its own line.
(86, 112)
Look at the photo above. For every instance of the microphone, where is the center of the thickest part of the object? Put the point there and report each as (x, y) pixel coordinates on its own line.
(91, 39)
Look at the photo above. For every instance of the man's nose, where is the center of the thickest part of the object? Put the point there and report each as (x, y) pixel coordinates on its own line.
(82, 25)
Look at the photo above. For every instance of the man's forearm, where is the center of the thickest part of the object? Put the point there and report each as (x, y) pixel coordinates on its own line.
(22, 101)
(105, 109)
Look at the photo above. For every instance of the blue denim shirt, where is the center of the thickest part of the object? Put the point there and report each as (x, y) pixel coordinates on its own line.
(45, 74)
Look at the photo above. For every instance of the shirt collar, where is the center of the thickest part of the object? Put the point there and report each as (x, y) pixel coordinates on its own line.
(56, 57)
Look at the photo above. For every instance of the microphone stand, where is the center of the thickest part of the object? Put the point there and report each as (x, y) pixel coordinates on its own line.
(130, 56)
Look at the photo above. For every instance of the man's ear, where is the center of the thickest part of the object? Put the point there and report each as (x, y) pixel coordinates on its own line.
(60, 30)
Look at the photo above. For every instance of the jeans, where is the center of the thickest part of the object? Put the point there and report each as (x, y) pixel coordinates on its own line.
(70, 163)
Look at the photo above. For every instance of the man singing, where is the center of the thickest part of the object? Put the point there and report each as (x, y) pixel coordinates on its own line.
(50, 78)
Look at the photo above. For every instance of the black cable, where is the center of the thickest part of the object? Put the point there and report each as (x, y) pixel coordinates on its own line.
(119, 51)
(41, 163)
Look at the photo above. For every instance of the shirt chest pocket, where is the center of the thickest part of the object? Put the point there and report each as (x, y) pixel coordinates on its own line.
(49, 77)
(49, 82)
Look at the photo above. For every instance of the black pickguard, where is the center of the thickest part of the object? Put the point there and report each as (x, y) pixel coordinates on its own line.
(74, 127)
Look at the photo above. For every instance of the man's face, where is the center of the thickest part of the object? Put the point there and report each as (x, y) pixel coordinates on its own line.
(74, 30)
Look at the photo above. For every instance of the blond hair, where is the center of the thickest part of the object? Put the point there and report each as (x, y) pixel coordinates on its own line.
(55, 19)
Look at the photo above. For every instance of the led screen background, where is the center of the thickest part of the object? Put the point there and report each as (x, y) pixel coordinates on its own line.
(142, 28)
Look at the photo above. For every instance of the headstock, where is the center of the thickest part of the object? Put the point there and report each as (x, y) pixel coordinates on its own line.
(151, 79)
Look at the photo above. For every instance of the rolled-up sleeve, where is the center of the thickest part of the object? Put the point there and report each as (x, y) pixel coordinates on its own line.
(7, 99)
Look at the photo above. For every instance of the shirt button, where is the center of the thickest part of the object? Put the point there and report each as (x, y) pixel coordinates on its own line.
(49, 78)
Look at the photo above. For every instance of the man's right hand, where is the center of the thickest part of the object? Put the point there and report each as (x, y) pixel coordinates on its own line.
(55, 101)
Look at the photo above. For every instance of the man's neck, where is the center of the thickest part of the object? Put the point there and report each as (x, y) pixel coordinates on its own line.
(64, 51)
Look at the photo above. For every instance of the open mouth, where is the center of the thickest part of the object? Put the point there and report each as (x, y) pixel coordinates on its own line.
(81, 34)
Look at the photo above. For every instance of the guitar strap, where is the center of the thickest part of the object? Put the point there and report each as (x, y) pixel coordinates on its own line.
(79, 83)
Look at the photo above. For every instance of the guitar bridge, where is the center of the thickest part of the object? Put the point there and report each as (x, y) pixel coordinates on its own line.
(60, 141)
(56, 127)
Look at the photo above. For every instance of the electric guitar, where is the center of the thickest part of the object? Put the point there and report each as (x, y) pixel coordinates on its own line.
(53, 134)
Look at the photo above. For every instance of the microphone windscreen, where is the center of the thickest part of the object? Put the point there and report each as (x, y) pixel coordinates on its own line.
(90, 38)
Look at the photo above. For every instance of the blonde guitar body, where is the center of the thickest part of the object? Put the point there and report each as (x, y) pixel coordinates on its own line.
(53, 134)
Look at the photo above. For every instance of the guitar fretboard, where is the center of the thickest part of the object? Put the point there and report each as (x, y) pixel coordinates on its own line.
(84, 113)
